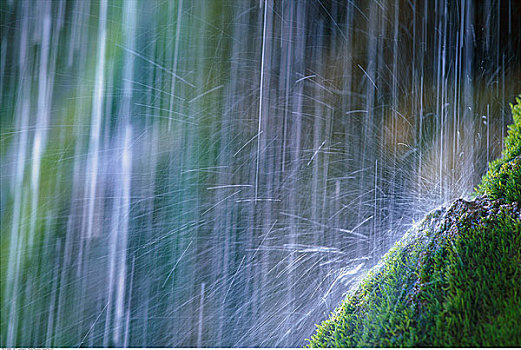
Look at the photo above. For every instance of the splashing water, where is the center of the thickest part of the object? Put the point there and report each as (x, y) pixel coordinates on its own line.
(218, 173)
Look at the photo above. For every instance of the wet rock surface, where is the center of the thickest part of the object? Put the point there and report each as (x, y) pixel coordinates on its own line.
(451, 280)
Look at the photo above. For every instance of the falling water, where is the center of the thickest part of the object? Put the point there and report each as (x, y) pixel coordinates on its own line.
(219, 172)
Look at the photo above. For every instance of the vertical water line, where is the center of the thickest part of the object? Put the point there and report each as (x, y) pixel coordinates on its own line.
(42, 121)
(96, 116)
(201, 312)
(174, 65)
(261, 97)
(16, 241)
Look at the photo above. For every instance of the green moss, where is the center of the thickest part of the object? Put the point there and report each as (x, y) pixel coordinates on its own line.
(454, 280)
(503, 179)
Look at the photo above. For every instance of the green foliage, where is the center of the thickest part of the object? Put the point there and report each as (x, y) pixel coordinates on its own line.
(453, 281)
(503, 179)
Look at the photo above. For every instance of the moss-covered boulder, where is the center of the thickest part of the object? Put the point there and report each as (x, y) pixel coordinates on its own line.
(503, 179)
(453, 280)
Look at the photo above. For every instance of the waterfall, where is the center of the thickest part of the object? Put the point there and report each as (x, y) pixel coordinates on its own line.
(219, 172)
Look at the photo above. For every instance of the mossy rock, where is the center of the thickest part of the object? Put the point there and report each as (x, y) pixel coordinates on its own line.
(454, 280)
(503, 179)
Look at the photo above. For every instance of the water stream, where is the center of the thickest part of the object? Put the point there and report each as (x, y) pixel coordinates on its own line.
(219, 172)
